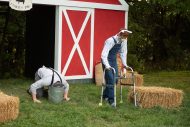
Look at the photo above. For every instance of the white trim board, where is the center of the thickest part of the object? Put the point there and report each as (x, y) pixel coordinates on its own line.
(84, 4)
(124, 6)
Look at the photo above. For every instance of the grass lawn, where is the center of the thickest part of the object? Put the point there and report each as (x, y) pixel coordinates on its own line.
(83, 110)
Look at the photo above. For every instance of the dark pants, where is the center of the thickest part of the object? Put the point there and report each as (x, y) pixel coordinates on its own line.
(110, 81)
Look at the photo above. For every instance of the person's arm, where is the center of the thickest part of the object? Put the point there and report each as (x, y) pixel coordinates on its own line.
(35, 99)
(104, 55)
(66, 89)
(123, 54)
(34, 87)
(66, 92)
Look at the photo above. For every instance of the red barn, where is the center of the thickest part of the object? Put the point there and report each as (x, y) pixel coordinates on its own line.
(81, 27)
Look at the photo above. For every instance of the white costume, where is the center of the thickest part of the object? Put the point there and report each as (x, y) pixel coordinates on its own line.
(45, 74)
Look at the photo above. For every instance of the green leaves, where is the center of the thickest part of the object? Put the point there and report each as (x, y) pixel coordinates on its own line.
(160, 33)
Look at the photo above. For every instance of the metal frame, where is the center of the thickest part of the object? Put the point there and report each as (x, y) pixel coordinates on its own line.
(133, 84)
(119, 78)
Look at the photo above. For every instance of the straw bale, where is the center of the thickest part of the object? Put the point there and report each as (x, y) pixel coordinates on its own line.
(148, 97)
(98, 74)
(9, 107)
(137, 77)
(119, 63)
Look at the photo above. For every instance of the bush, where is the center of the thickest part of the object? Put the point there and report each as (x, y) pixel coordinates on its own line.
(136, 64)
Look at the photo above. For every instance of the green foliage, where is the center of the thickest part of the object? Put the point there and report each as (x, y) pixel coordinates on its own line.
(83, 110)
(12, 42)
(160, 33)
(135, 63)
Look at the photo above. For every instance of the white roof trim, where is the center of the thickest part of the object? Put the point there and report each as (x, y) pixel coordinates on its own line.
(83, 4)
(124, 6)
(123, 2)
(4, 0)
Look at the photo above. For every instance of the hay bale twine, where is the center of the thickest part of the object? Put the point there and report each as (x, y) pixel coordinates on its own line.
(98, 74)
(9, 107)
(148, 97)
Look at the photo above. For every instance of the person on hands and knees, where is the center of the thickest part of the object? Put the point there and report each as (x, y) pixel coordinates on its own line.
(43, 78)
(113, 45)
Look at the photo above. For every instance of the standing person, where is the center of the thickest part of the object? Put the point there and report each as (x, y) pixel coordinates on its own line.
(43, 77)
(113, 45)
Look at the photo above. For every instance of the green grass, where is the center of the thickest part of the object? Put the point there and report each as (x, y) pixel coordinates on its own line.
(83, 110)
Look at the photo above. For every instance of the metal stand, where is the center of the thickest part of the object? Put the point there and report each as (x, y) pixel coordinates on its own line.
(104, 85)
(132, 84)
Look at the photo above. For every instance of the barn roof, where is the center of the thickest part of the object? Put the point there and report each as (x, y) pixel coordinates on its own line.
(101, 4)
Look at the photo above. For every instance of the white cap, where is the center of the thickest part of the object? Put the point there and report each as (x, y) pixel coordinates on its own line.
(125, 30)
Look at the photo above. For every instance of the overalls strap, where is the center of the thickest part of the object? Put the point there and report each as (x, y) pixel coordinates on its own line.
(53, 76)
(114, 40)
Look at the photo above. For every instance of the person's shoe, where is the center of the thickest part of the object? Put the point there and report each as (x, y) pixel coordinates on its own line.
(105, 99)
(113, 105)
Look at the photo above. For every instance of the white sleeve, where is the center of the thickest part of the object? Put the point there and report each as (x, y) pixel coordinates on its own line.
(66, 85)
(64, 81)
(40, 83)
(109, 43)
(123, 53)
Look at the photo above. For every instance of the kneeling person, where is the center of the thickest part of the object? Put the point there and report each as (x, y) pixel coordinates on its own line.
(43, 77)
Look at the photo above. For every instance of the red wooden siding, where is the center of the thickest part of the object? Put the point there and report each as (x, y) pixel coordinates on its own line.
(107, 23)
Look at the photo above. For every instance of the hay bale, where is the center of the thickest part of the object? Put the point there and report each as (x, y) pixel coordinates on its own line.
(119, 63)
(98, 74)
(9, 107)
(148, 97)
(137, 77)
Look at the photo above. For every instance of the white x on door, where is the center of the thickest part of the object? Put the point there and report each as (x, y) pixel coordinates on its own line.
(76, 42)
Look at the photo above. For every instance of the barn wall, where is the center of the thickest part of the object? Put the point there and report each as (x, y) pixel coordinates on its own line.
(100, 25)
(107, 23)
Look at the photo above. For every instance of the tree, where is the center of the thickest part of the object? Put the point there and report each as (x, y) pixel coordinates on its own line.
(161, 31)
(12, 42)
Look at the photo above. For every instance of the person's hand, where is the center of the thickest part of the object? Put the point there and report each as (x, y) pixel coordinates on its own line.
(67, 99)
(108, 68)
(126, 67)
(37, 101)
(124, 72)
